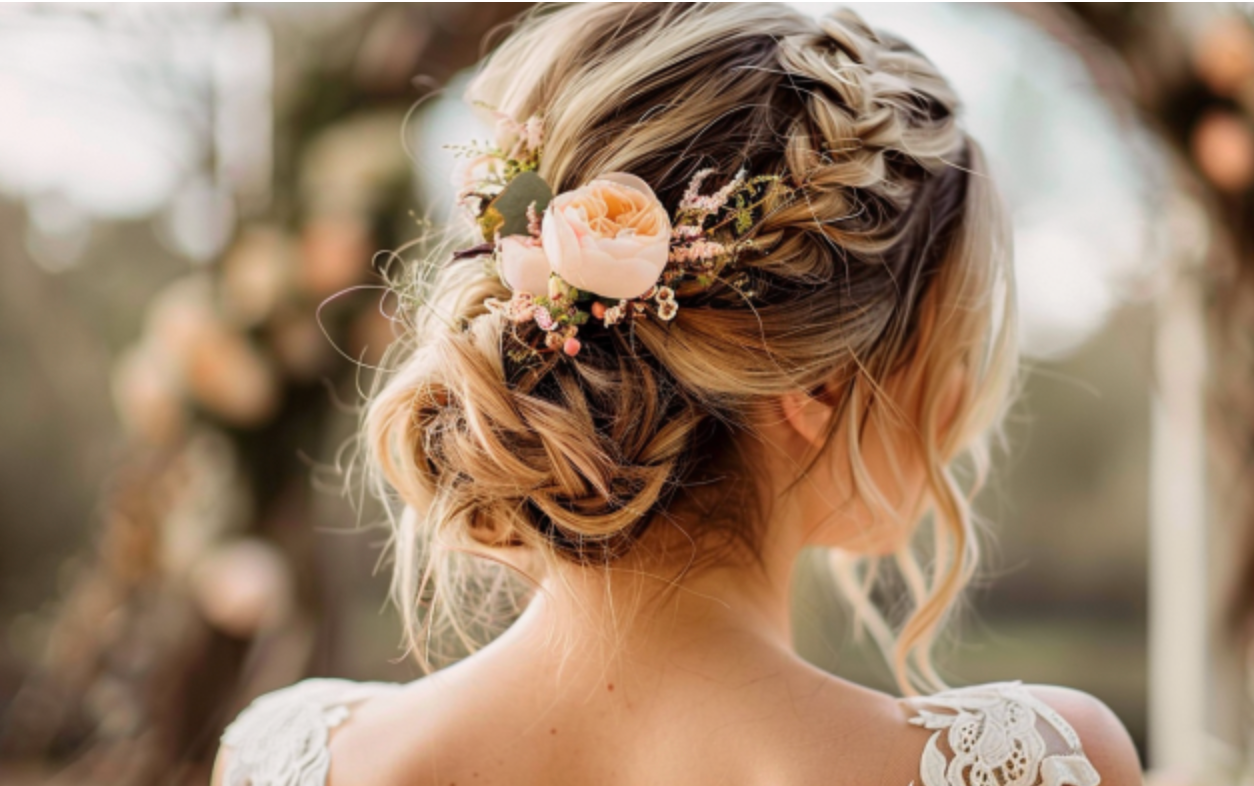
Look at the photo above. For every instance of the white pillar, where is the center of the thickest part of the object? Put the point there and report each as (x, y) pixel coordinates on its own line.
(1179, 614)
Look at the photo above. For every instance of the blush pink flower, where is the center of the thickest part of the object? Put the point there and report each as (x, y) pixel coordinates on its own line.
(518, 139)
(610, 237)
(524, 265)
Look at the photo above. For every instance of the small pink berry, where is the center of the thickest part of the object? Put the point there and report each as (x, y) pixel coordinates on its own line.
(598, 310)
(572, 346)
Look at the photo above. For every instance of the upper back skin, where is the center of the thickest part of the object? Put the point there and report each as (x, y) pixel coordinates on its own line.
(755, 717)
(758, 718)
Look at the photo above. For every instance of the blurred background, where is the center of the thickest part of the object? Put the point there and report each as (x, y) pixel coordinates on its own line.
(196, 207)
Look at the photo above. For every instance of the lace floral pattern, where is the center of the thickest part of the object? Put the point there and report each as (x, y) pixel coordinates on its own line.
(281, 739)
(994, 737)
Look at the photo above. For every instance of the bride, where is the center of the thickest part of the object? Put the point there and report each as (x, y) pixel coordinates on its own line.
(736, 284)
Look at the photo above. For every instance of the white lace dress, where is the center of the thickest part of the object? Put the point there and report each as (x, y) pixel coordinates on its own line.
(986, 735)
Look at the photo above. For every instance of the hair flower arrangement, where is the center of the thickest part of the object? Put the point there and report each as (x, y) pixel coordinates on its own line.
(607, 251)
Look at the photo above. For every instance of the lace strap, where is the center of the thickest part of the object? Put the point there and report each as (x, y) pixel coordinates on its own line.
(281, 738)
(993, 734)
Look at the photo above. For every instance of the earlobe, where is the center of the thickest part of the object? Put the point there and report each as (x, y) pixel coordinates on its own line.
(808, 416)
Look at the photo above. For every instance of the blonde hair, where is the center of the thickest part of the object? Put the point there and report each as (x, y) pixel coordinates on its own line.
(895, 261)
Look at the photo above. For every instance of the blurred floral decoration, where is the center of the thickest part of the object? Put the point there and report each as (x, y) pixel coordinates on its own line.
(201, 593)
(1186, 72)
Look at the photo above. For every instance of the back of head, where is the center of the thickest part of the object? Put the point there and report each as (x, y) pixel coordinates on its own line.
(891, 261)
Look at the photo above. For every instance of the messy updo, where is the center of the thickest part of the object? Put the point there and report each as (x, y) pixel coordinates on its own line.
(893, 261)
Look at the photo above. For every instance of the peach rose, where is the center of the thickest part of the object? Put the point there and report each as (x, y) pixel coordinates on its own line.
(610, 237)
(524, 265)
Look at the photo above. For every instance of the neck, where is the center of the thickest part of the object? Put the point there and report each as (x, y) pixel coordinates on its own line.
(639, 614)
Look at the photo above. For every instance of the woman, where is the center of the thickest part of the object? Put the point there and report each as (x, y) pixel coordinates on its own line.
(742, 287)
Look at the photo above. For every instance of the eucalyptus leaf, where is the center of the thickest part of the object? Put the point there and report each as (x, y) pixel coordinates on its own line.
(507, 213)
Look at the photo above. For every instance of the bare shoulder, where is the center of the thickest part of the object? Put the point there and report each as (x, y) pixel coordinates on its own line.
(1038, 733)
(283, 736)
(220, 765)
(1106, 741)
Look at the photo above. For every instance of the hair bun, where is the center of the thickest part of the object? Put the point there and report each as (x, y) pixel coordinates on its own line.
(570, 458)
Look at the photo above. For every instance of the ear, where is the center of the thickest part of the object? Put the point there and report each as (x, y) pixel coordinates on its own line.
(807, 416)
